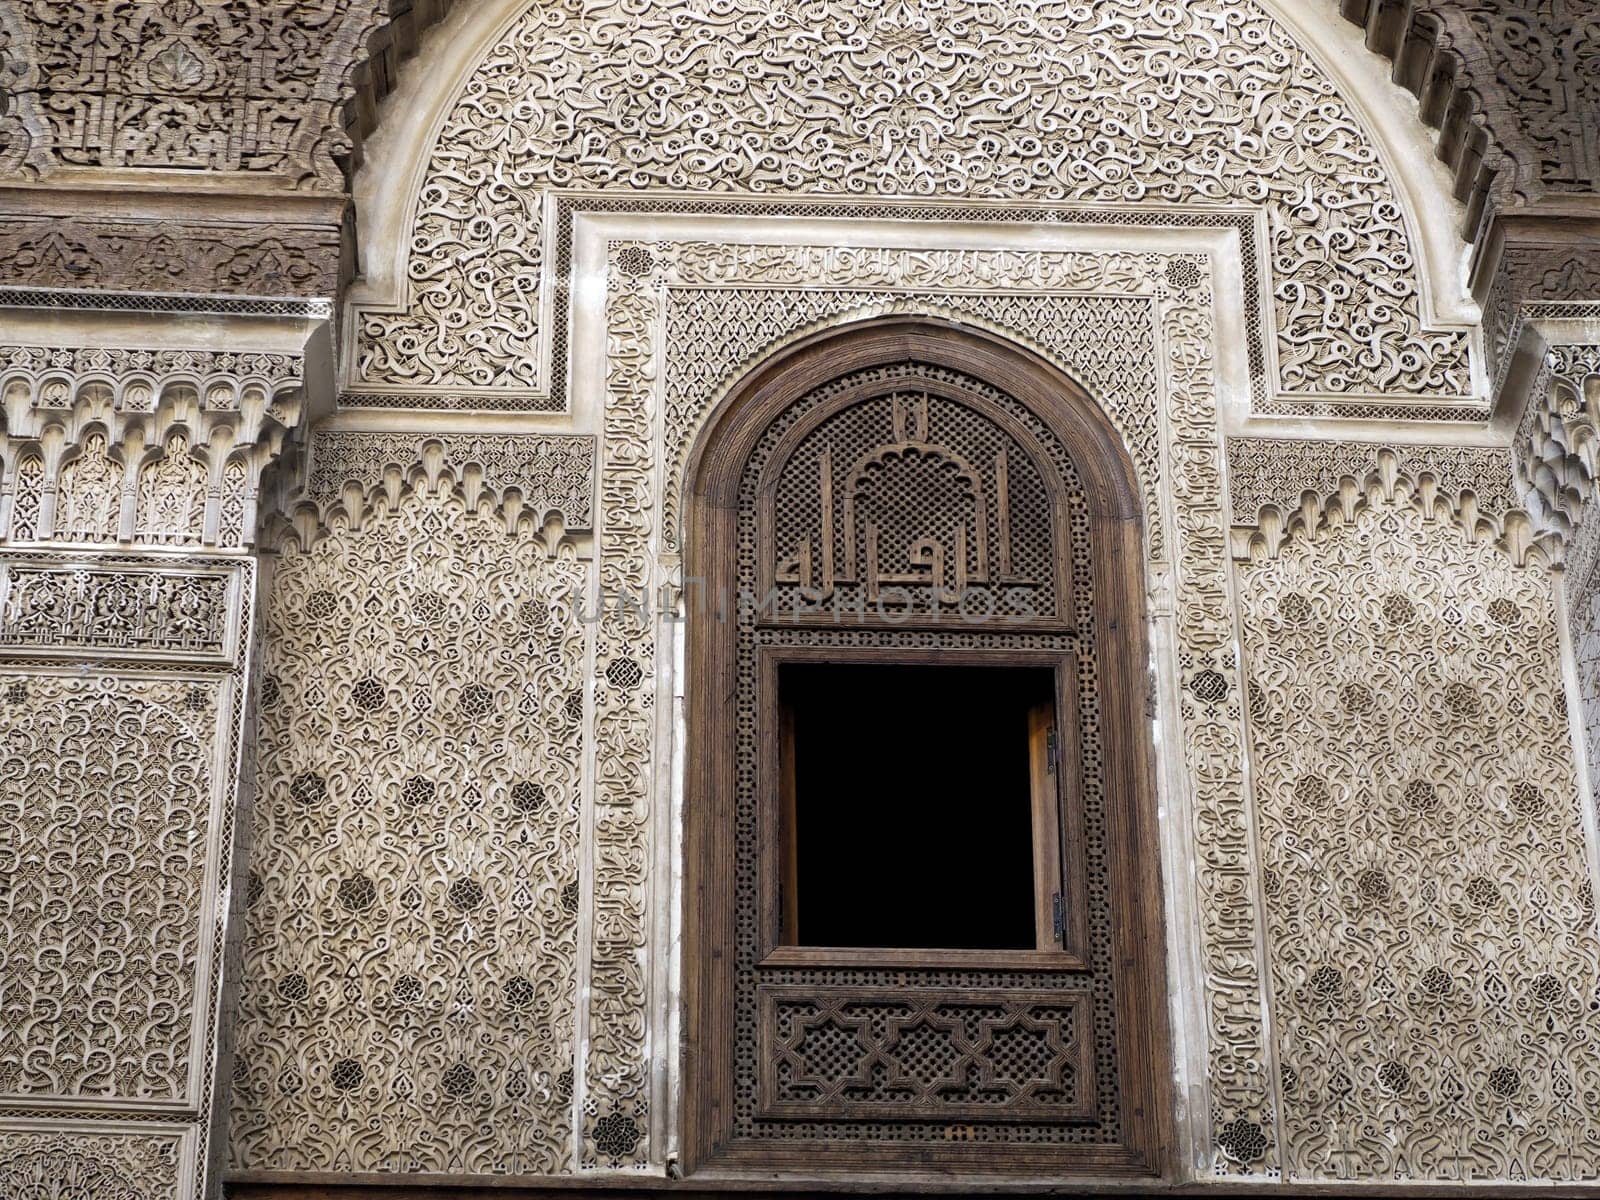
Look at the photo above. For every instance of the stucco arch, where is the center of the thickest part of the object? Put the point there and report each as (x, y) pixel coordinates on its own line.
(1356, 214)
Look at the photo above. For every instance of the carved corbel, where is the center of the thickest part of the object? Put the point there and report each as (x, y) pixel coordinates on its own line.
(108, 432)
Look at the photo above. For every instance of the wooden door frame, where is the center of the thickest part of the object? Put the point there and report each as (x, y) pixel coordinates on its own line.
(712, 481)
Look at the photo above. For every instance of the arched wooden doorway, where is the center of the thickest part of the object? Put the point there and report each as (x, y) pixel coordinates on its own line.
(923, 926)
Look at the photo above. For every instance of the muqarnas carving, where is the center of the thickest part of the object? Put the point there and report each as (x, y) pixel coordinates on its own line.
(162, 447)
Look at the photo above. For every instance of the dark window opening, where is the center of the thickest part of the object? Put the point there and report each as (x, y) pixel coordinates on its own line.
(919, 810)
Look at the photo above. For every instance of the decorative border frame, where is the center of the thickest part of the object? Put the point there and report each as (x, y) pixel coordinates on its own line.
(636, 798)
(564, 210)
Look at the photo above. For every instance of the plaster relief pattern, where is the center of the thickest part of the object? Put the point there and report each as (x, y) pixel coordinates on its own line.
(105, 793)
(410, 978)
(155, 446)
(222, 85)
(1052, 100)
(59, 605)
(85, 1164)
(256, 258)
(543, 474)
(1430, 915)
(1280, 472)
(1213, 735)
(1060, 298)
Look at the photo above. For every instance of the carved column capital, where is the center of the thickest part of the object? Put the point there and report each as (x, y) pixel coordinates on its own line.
(123, 430)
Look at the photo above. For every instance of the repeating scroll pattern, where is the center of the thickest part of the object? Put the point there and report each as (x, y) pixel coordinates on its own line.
(106, 795)
(1213, 732)
(1212, 102)
(86, 1164)
(1430, 913)
(410, 981)
(616, 1103)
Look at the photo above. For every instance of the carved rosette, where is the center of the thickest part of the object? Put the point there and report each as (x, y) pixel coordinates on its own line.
(422, 754)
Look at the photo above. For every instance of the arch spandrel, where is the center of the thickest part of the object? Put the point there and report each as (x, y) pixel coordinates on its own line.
(1228, 109)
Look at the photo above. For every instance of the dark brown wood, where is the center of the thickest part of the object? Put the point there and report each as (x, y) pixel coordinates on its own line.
(1049, 839)
(286, 1185)
(789, 824)
(713, 481)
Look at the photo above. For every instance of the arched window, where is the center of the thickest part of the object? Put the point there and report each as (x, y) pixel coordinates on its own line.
(924, 908)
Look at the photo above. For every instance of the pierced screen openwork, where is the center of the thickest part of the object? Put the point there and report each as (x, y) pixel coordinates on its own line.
(913, 508)
(917, 502)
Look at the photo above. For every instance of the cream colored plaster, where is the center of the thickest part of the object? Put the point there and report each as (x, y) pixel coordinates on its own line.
(388, 185)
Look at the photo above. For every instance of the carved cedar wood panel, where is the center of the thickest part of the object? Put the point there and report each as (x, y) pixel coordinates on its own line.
(906, 490)
(409, 964)
(1434, 962)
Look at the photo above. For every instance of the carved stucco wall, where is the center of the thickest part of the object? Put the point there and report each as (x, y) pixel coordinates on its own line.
(413, 897)
(1427, 887)
(128, 479)
(660, 378)
(1053, 102)
(652, 410)
(104, 455)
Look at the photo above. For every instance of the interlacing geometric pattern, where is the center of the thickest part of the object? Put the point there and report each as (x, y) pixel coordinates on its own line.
(105, 798)
(1209, 102)
(410, 977)
(1435, 964)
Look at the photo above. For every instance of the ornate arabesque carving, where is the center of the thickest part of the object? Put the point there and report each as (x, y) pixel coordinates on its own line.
(157, 446)
(1212, 733)
(1430, 919)
(69, 250)
(232, 86)
(421, 766)
(112, 458)
(1280, 486)
(1521, 72)
(925, 1054)
(87, 1164)
(1214, 97)
(919, 504)
(107, 796)
(825, 1058)
(1556, 447)
(1095, 311)
(1278, 472)
(53, 605)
